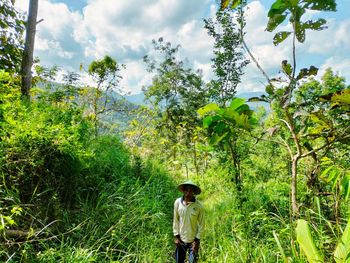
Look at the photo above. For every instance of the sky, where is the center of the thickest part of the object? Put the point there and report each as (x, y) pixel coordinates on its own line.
(79, 31)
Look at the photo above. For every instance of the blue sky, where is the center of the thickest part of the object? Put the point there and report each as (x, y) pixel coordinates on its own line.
(79, 31)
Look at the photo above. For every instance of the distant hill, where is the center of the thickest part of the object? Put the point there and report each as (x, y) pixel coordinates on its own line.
(138, 99)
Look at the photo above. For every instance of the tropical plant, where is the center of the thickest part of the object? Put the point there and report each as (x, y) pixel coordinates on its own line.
(176, 93)
(225, 125)
(309, 249)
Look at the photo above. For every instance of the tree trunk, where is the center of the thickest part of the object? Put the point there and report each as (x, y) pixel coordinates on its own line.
(195, 163)
(295, 208)
(27, 59)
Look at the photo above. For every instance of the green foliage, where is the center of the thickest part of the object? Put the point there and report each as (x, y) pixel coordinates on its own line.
(337, 176)
(11, 33)
(176, 93)
(281, 9)
(224, 122)
(342, 251)
(306, 242)
(229, 4)
(103, 98)
(228, 61)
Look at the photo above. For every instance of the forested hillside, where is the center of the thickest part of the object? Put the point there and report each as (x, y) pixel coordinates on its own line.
(87, 176)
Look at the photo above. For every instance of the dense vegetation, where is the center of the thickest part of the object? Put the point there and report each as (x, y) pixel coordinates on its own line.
(79, 185)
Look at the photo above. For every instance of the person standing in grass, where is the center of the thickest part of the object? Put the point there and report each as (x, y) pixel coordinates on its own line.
(188, 223)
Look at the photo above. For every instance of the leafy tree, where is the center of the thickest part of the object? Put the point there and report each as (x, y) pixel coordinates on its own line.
(11, 31)
(103, 97)
(282, 91)
(176, 92)
(228, 61)
(225, 126)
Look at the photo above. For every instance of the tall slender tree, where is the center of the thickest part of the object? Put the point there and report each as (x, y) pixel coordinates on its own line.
(228, 61)
(27, 59)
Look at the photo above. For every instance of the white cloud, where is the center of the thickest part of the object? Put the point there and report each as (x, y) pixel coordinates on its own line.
(340, 65)
(124, 30)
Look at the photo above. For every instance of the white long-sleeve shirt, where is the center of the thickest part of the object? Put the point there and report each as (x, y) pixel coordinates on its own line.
(188, 220)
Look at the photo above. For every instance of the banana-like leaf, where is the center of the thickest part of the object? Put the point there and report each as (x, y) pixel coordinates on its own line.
(307, 243)
(342, 251)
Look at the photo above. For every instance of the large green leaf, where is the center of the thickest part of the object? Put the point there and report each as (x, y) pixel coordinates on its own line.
(342, 251)
(208, 108)
(307, 243)
(236, 102)
(345, 186)
(215, 139)
(341, 99)
(235, 3)
(280, 37)
(207, 121)
(278, 7)
(242, 121)
(300, 32)
(286, 67)
(224, 4)
(230, 114)
(315, 25)
(275, 21)
(321, 5)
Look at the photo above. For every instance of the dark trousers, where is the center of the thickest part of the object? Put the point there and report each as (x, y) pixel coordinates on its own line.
(180, 253)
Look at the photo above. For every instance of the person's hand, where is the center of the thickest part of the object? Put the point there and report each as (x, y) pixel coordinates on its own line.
(195, 246)
(177, 241)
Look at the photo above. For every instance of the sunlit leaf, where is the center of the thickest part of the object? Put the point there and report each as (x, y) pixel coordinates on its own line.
(342, 251)
(235, 3)
(345, 186)
(225, 4)
(342, 98)
(208, 108)
(307, 243)
(236, 102)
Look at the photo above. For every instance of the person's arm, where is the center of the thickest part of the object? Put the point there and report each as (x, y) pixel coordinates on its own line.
(200, 228)
(176, 222)
(200, 224)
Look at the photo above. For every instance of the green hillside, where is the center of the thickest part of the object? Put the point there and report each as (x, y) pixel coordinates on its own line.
(87, 176)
